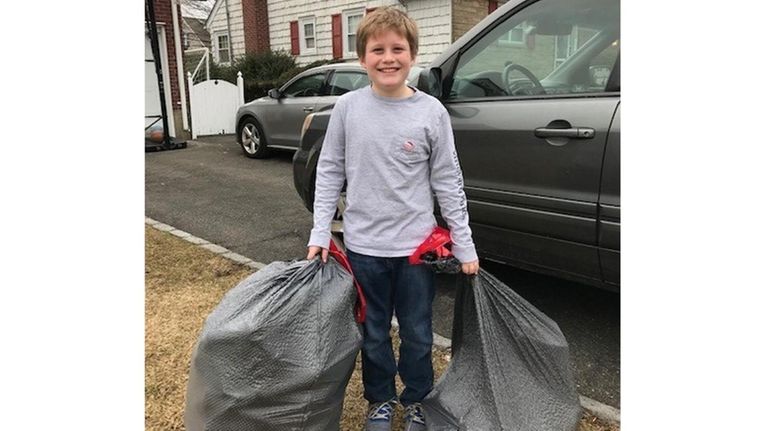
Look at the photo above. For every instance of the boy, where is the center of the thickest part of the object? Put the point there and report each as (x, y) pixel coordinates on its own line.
(394, 145)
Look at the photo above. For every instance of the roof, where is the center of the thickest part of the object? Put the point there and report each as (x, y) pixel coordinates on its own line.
(197, 27)
(213, 12)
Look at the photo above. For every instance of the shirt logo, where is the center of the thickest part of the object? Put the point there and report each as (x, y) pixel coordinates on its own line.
(408, 146)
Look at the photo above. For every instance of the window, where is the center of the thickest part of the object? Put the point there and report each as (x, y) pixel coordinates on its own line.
(222, 48)
(350, 21)
(306, 86)
(516, 35)
(307, 35)
(552, 47)
(342, 82)
(565, 46)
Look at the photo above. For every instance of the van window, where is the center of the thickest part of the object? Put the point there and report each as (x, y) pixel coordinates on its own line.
(552, 47)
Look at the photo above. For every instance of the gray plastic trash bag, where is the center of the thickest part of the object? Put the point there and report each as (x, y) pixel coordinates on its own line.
(510, 367)
(277, 352)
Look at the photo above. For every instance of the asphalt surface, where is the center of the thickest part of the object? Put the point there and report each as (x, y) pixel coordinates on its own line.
(250, 207)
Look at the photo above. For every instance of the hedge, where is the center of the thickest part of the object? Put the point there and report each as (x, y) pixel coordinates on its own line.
(261, 71)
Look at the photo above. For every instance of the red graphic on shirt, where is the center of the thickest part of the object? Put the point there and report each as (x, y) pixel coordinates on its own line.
(408, 146)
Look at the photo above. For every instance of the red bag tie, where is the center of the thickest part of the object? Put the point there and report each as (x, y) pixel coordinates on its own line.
(339, 255)
(435, 243)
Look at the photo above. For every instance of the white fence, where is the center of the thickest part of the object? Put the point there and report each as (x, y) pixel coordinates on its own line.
(213, 105)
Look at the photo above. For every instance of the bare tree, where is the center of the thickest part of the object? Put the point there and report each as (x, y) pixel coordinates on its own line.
(197, 8)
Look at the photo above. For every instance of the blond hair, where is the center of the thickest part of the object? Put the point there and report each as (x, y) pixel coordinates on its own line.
(383, 19)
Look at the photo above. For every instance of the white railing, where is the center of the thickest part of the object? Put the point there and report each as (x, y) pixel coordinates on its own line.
(204, 59)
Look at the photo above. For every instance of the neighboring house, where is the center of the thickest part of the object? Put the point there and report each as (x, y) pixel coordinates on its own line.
(194, 34)
(238, 27)
(313, 30)
(328, 31)
(171, 67)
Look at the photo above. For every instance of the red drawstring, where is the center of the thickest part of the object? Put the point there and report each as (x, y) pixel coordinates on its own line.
(435, 243)
(360, 310)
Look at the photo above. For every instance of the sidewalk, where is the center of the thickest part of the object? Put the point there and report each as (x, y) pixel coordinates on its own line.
(595, 408)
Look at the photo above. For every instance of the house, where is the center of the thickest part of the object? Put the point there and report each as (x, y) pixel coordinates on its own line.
(238, 27)
(313, 30)
(196, 40)
(174, 98)
(194, 34)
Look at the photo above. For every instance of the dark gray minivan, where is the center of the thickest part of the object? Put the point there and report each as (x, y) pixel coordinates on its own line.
(533, 92)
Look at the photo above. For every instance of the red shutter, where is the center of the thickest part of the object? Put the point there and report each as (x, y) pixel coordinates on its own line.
(294, 30)
(492, 6)
(337, 36)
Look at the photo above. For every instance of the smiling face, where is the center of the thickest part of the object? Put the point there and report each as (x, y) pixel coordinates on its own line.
(387, 60)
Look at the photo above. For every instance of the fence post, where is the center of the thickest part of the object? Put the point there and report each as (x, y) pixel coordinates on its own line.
(208, 75)
(192, 107)
(240, 89)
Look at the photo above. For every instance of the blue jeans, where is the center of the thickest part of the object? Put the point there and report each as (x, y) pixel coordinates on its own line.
(392, 284)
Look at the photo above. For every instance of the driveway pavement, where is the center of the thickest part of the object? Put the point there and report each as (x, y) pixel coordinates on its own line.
(251, 208)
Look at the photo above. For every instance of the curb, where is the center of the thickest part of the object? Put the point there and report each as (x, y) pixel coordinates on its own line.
(596, 408)
(200, 242)
(600, 410)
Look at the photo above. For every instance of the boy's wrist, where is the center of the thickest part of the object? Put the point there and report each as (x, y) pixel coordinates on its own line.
(465, 254)
(319, 239)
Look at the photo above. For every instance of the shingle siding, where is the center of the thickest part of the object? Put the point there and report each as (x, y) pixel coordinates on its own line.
(434, 20)
(281, 13)
(440, 22)
(218, 25)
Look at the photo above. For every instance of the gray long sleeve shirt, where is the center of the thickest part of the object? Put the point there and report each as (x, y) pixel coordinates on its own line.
(394, 153)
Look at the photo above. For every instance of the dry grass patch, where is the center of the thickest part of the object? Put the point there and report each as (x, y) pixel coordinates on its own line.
(183, 284)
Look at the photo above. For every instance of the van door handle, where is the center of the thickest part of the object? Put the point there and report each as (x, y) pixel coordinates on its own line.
(573, 132)
(307, 108)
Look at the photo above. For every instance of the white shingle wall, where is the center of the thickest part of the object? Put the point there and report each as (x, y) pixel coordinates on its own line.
(219, 24)
(434, 21)
(433, 17)
(282, 12)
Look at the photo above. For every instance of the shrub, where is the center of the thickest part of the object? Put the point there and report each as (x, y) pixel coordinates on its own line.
(261, 71)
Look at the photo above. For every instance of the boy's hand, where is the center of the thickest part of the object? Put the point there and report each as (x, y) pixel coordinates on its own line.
(471, 267)
(313, 250)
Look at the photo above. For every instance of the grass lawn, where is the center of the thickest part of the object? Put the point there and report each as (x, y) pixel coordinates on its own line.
(183, 283)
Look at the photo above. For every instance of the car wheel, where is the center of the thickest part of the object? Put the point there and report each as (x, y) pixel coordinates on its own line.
(252, 139)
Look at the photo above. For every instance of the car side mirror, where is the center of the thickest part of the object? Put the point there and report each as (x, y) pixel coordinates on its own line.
(274, 93)
(430, 82)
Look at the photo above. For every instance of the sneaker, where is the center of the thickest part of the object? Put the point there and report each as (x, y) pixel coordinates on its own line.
(414, 419)
(379, 416)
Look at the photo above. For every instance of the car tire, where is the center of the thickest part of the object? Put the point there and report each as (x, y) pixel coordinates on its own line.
(252, 139)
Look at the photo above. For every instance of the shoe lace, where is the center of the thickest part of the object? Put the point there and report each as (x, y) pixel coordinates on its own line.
(381, 411)
(414, 413)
